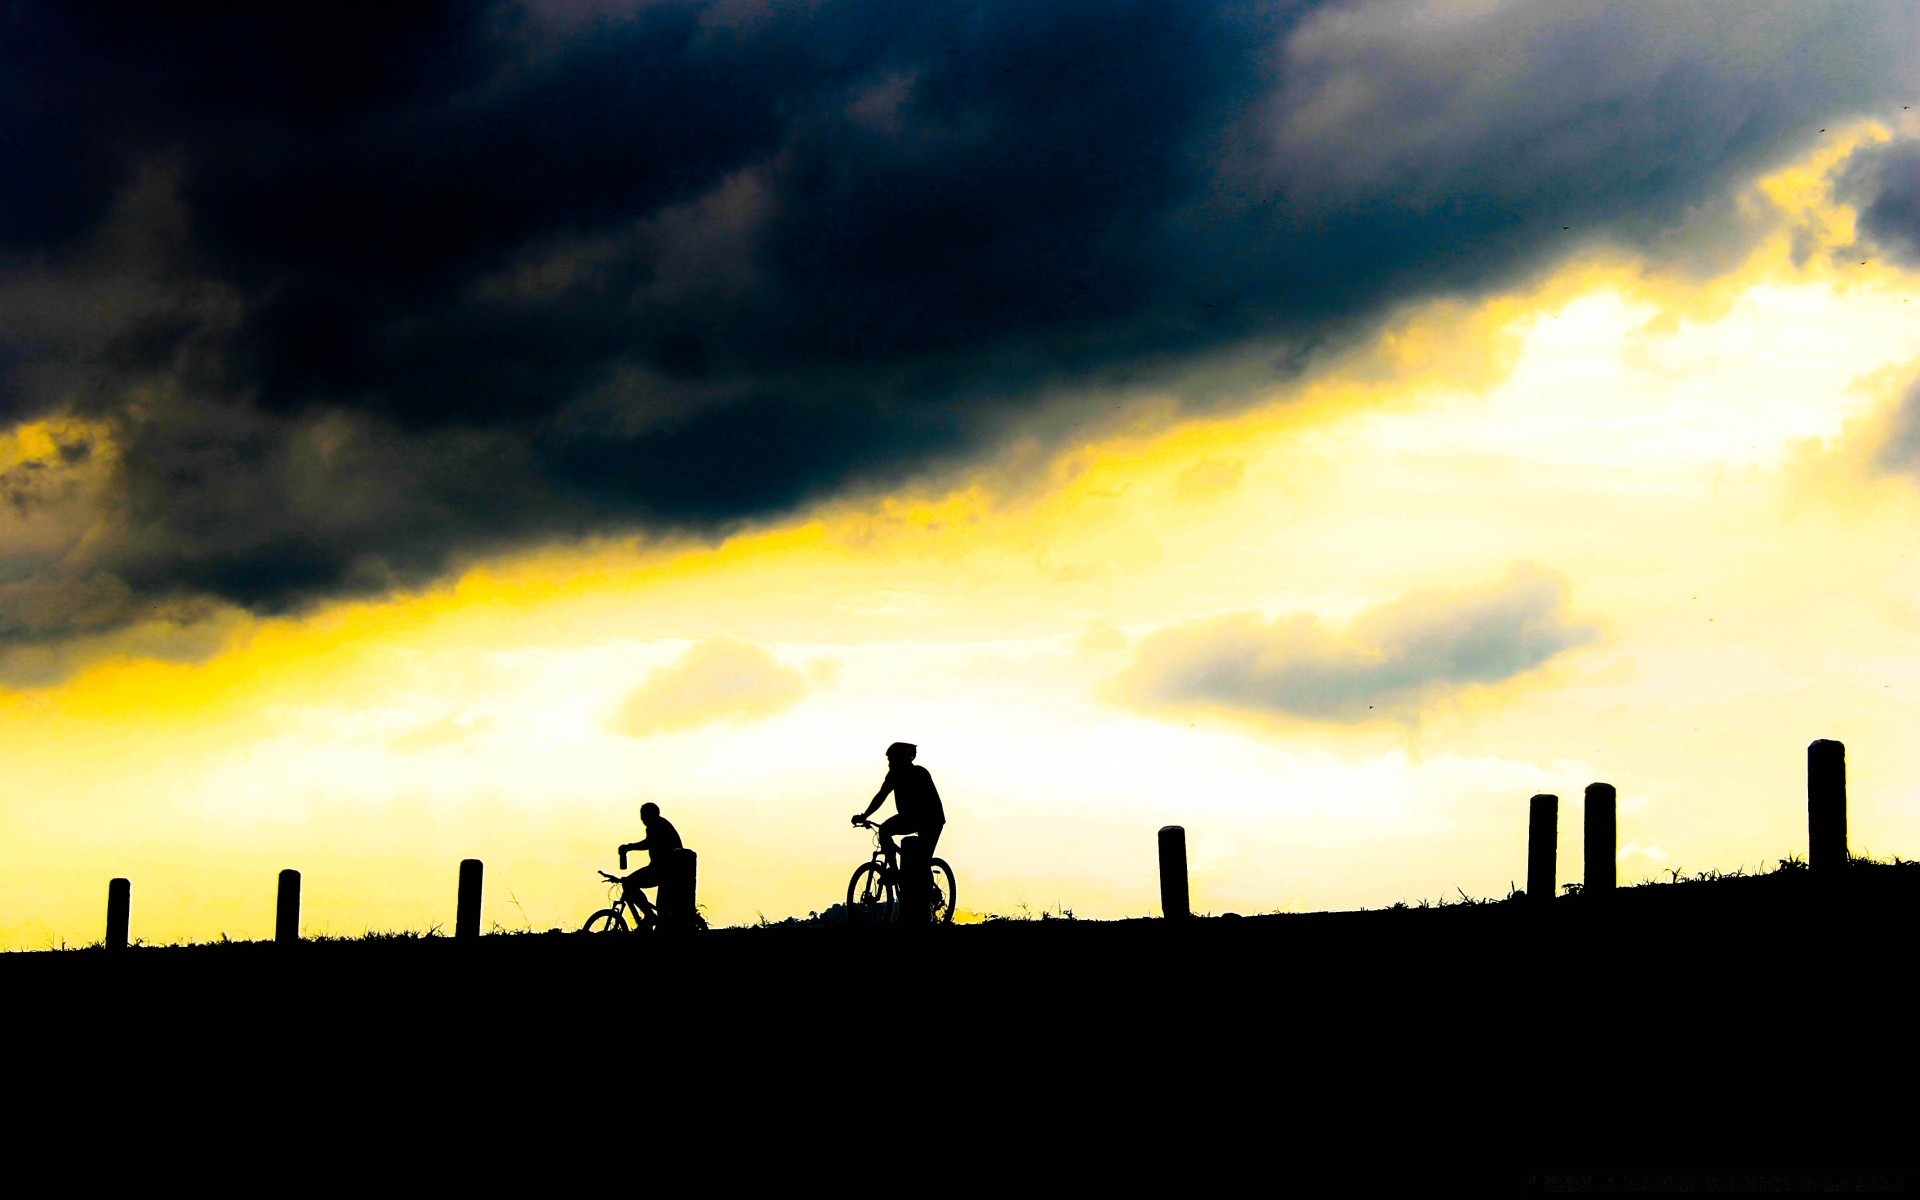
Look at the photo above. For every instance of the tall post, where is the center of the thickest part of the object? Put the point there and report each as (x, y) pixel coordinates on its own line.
(466, 923)
(1826, 805)
(1543, 846)
(1173, 873)
(286, 913)
(690, 879)
(119, 912)
(1599, 840)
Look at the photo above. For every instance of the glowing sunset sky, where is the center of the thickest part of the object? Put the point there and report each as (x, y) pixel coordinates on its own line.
(1322, 426)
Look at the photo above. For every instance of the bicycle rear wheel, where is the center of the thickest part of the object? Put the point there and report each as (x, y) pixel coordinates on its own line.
(607, 920)
(870, 898)
(944, 892)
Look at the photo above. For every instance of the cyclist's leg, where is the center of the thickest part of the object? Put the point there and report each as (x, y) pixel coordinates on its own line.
(892, 827)
(646, 877)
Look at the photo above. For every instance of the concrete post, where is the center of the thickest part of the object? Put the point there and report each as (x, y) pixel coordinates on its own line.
(679, 884)
(690, 879)
(1600, 841)
(1543, 847)
(286, 915)
(1826, 805)
(119, 912)
(916, 872)
(466, 921)
(1173, 873)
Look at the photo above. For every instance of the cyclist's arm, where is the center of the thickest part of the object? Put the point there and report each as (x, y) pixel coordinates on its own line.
(639, 845)
(879, 797)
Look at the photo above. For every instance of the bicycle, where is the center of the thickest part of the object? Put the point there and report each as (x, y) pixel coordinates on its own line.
(873, 894)
(629, 905)
(613, 919)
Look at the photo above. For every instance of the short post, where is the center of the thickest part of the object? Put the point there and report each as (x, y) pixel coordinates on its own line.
(916, 874)
(1543, 846)
(1599, 840)
(1826, 805)
(466, 921)
(1173, 873)
(286, 915)
(679, 883)
(119, 912)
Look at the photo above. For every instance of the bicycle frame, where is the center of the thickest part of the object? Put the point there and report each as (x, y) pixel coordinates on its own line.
(634, 907)
(631, 909)
(888, 862)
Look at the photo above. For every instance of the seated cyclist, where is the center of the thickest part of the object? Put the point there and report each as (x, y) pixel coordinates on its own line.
(916, 803)
(661, 841)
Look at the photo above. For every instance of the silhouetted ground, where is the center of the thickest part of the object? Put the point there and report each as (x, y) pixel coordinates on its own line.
(1759, 1026)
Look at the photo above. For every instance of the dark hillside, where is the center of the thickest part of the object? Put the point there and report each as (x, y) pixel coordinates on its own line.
(1744, 1025)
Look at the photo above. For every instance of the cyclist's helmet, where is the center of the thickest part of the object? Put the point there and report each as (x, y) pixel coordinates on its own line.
(649, 810)
(904, 750)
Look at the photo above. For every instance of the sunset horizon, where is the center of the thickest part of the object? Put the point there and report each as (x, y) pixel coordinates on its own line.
(1319, 427)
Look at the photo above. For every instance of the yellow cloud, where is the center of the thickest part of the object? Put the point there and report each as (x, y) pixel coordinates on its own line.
(720, 679)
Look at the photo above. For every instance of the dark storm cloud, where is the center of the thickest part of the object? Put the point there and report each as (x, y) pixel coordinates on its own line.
(353, 293)
(1884, 182)
(1394, 661)
(1899, 449)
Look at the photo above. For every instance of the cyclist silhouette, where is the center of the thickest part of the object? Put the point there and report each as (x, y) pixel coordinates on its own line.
(916, 802)
(661, 841)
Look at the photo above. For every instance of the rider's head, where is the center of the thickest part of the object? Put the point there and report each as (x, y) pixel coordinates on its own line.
(649, 811)
(902, 752)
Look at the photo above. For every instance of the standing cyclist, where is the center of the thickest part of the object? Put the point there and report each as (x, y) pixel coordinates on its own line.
(916, 803)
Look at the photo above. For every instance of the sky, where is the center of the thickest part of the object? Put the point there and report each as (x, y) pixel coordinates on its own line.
(432, 434)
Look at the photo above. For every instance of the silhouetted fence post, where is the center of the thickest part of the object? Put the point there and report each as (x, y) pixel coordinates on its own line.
(1826, 805)
(1599, 840)
(466, 921)
(679, 885)
(916, 876)
(1173, 873)
(286, 914)
(1543, 846)
(119, 912)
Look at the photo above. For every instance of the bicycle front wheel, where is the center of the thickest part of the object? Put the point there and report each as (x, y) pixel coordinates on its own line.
(944, 893)
(870, 898)
(607, 920)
